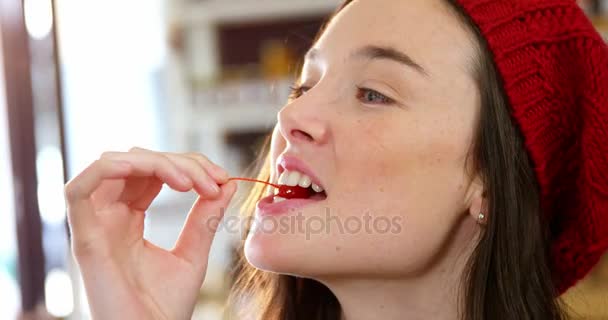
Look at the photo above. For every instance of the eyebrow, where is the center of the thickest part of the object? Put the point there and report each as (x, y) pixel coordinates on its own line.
(373, 52)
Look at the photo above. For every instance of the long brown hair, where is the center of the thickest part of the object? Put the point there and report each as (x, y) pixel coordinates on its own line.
(507, 276)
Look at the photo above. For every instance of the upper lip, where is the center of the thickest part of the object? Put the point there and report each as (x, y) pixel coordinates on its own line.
(291, 163)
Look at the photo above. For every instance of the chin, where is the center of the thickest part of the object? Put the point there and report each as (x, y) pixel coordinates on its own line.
(272, 252)
(284, 253)
(262, 252)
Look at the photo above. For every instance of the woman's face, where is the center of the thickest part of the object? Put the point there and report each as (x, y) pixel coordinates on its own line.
(385, 123)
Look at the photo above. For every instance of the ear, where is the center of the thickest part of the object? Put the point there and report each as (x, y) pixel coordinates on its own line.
(476, 201)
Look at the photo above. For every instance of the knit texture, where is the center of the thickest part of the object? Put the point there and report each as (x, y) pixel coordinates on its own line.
(554, 70)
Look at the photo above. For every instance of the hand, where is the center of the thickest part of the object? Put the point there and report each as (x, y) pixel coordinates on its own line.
(125, 276)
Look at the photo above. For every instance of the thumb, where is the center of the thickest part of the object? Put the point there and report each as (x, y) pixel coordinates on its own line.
(195, 239)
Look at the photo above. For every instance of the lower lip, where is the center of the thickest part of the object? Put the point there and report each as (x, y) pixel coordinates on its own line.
(266, 206)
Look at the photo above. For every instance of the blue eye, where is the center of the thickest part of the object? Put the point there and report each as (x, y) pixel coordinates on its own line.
(370, 96)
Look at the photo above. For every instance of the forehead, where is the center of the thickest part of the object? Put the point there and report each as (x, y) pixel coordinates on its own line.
(427, 30)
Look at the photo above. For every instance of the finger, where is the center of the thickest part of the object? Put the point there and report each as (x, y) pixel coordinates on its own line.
(201, 224)
(81, 211)
(219, 174)
(203, 183)
(154, 165)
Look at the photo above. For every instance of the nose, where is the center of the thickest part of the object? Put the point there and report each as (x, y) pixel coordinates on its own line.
(301, 123)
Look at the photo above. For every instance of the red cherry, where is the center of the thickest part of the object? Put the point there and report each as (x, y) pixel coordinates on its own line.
(297, 192)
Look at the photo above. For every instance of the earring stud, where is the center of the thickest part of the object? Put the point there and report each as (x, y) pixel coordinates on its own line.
(481, 216)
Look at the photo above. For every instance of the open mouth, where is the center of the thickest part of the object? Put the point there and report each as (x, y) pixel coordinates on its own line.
(297, 185)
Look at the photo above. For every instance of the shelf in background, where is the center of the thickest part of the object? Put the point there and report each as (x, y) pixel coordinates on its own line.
(236, 118)
(239, 11)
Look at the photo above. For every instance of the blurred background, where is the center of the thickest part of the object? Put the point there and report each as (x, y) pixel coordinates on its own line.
(79, 77)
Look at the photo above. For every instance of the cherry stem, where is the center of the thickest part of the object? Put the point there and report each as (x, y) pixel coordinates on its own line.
(254, 180)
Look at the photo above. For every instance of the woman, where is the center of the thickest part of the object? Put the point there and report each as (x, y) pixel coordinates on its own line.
(453, 153)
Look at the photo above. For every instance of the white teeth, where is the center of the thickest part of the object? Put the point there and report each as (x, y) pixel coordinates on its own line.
(316, 188)
(296, 178)
(283, 177)
(305, 181)
(279, 199)
(292, 178)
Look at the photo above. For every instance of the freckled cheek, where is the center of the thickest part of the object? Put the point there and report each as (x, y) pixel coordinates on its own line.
(368, 173)
(389, 178)
(366, 156)
(401, 167)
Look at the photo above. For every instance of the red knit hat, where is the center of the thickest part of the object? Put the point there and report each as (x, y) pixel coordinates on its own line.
(554, 68)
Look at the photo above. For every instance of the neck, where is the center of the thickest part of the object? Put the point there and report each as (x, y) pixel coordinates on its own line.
(396, 299)
(432, 294)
